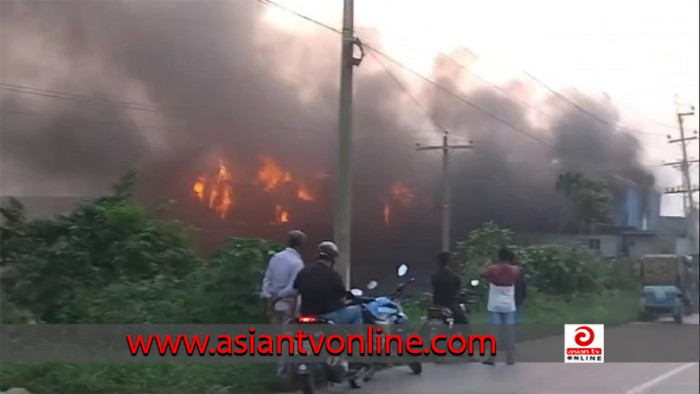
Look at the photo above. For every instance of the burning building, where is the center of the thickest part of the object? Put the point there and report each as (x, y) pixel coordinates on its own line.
(235, 120)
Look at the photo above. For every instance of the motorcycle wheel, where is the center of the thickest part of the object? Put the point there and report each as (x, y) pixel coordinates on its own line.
(306, 384)
(416, 368)
(369, 374)
(355, 382)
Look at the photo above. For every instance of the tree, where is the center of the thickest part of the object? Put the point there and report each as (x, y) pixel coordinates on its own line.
(592, 199)
(46, 263)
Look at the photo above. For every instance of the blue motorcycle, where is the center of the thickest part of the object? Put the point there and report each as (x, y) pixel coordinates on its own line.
(386, 312)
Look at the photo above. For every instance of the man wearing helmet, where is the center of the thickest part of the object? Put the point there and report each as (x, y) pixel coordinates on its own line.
(322, 289)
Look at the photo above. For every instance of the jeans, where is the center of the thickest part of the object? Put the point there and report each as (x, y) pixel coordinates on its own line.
(500, 321)
(348, 315)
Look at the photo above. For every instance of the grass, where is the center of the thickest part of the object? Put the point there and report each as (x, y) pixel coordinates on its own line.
(612, 307)
(141, 378)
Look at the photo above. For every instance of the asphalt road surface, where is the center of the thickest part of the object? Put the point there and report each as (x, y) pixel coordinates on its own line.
(538, 378)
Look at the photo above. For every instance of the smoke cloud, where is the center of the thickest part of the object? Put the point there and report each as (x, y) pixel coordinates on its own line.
(228, 85)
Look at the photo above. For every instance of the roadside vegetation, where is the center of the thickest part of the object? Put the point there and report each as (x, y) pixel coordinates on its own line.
(566, 283)
(112, 261)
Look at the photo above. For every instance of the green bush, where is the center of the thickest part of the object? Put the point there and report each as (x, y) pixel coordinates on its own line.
(229, 287)
(47, 262)
(112, 261)
(549, 269)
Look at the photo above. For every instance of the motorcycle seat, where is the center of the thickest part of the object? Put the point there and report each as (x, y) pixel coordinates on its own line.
(439, 312)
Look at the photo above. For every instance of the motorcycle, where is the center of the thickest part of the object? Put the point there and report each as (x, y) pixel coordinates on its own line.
(440, 315)
(387, 313)
(335, 369)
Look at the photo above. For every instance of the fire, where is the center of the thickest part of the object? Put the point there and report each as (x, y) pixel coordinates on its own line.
(220, 191)
(401, 193)
(199, 188)
(271, 174)
(387, 213)
(281, 215)
(304, 194)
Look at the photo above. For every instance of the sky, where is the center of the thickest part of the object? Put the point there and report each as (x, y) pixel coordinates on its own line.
(642, 54)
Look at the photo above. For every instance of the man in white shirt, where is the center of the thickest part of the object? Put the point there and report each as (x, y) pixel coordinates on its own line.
(279, 278)
(280, 274)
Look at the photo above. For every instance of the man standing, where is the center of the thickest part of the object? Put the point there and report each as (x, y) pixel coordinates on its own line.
(501, 303)
(280, 274)
(446, 287)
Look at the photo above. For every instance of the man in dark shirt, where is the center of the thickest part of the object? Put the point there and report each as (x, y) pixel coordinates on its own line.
(322, 290)
(446, 287)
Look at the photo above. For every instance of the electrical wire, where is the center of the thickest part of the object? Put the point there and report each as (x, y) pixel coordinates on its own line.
(77, 97)
(458, 96)
(448, 91)
(408, 93)
(22, 112)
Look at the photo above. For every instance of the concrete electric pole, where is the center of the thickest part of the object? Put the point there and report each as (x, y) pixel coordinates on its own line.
(687, 189)
(446, 193)
(342, 221)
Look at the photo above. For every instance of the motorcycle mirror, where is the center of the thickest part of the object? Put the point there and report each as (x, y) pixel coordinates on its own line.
(372, 284)
(475, 282)
(403, 269)
(356, 292)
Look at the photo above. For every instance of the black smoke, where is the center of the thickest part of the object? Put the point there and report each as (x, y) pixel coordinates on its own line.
(226, 84)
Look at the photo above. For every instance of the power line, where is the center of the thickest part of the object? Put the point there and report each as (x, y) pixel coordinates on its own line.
(77, 97)
(298, 14)
(459, 97)
(22, 112)
(658, 122)
(495, 86)
(416, 73)
(408, 93)
(566, 99)
(528, 104)
(562, 97)
(447, 90)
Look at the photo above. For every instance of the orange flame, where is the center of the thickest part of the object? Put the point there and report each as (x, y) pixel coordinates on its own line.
(304, 194)
(282, 216)
(199, 187)
(401, 193)
(220, 192)
(387, 213)
(271, 174)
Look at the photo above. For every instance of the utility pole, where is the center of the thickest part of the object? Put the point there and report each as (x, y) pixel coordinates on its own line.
(446, 192)
(687, 189)
(342, 221)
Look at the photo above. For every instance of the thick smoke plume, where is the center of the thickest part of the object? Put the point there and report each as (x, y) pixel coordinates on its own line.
(228, 85)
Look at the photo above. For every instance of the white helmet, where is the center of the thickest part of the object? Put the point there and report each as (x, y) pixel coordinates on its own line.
(327, 250)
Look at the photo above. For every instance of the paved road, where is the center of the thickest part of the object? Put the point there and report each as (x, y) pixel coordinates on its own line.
(539, 378)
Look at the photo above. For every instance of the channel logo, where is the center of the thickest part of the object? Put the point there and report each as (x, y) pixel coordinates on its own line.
(584, 343)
